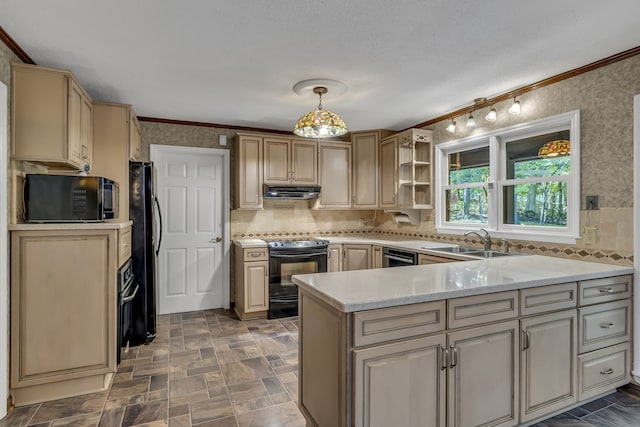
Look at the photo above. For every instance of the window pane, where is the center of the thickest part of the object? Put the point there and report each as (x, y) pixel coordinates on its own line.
(538, 156)
(467, 205)
(536, 204)
(469, 166)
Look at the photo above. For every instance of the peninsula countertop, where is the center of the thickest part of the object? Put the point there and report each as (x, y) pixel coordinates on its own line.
(351, 291)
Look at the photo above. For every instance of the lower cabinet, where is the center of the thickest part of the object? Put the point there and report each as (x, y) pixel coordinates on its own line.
(334, 258)
(376, 256)
(252, 282)
(548, 373)
(63, 312)
(356, 257)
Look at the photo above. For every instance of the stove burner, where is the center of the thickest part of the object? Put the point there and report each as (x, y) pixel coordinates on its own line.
(288, 244)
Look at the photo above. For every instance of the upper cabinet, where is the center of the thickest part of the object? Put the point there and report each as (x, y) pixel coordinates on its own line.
(135, 139)
(334, 160)
(365, 168)
(249, 172)
(52, 120)
(290, 161)
(406, 170)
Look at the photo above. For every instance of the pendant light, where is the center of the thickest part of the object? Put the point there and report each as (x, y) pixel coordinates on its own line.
(471, 122)
(452, 127)
(320, 123)
(558, 147)
(515, 107)
(492, 115)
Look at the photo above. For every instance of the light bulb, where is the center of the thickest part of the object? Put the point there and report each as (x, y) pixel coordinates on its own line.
(452, 127)
(515, 107)
(471, 121)
(492, 115)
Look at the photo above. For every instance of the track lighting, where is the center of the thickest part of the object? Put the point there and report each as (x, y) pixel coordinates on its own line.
(492, 115)
(471, 122)
(452, 127)
(515, 107)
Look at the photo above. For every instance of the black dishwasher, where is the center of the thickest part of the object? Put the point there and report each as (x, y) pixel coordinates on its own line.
(398, 258)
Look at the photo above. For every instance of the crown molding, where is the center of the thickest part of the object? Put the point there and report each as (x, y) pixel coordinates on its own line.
(15, 48)
(212, 125)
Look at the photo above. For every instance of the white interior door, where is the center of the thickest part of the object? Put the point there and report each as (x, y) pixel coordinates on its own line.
(192, 190)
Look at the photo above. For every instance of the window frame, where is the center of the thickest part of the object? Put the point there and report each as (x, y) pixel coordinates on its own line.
(496, 141)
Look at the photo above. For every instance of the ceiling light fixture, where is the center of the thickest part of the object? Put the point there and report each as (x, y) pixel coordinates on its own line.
(320, 123)
(492, 115)
(558, 147)
(515, 107)
(471, 122)
(452, 127)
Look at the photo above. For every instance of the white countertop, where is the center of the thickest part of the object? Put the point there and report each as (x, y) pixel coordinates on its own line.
(250, 243)
(414, 245)
(368, 289)
(71, 226)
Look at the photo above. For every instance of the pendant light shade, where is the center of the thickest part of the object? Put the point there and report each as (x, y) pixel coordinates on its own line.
(515, 107)
(558, 147)
(452, 127)
(471, 122)
(320, 123)
(492, 115)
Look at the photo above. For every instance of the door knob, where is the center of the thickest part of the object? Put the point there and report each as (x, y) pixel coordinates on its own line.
(216, 240)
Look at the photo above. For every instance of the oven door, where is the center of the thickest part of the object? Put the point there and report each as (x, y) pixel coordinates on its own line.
(283, 293)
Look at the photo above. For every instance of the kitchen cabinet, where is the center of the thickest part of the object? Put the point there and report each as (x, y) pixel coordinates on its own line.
(425, 259)
(549, 356)
(356, 257)
(252, 282)
(376, 256)
(52, 118)
(249, 176)
(290, 161)
(365, 168)
(334, 258)
(63, 311)
(406, 170)
(334, 166)
(115, 129)
(135, 138)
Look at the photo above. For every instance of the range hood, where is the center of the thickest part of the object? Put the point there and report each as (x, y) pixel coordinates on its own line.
(296, 192)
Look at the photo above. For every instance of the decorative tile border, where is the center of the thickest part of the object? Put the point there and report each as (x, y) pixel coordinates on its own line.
(534, 248)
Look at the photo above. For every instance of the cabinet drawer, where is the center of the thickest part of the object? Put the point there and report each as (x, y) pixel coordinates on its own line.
(603, 370)
(386, 324)
(470, 311)
(124, 245)
(603, 325)
(548, 298)
(256, 254)
(604, 290)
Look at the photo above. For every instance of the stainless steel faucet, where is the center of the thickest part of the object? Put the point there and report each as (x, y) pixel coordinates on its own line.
(486, 239)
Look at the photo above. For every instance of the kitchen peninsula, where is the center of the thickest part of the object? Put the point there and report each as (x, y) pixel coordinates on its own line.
(499, 342)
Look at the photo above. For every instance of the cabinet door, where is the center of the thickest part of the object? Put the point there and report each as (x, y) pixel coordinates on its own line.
(334, 258)
(256, 286)
(249, 179)
(135, 142)
(277, 161)
(304, 162)
(356, 257)
(548, 374)
(424, 259)
(86, 131)
(401, 384)
(365, 170)
(483, 376)
(388, 173)
(376, 256)
(74, 123)
(335, 175)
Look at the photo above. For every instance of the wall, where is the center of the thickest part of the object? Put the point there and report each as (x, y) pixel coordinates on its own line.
(605, 100)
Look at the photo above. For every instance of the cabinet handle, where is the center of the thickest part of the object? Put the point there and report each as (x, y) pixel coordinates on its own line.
(454, 356)
(444, 353)
(607, 372)
(255, 254)
(526, 340)
(607, 325)
(606, 290)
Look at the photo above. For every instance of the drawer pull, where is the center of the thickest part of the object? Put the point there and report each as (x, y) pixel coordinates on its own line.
(255, 254)
(606, 290)
(526, 338)
(607, 372)
(607, 325)
(454, 356)
(445, 357)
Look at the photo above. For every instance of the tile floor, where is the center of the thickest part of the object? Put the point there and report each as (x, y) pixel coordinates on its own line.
(208, 369)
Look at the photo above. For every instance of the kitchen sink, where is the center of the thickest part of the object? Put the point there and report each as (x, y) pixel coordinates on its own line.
(455, 249)
(493, 254)
(474, 252)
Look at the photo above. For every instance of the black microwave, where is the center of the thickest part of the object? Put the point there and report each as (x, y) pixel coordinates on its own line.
(65, 198)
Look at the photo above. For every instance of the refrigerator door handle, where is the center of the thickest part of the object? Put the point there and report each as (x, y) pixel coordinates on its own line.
(155, 199)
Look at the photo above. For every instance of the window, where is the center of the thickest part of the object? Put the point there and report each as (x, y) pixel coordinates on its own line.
(520, 182)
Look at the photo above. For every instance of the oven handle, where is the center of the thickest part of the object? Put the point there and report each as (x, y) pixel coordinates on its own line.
(299, 255)
(395, 258)
(130, 297)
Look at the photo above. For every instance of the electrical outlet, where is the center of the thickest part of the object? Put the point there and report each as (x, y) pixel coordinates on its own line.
(590, 235)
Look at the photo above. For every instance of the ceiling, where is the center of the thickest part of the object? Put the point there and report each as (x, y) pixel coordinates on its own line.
(235, 62)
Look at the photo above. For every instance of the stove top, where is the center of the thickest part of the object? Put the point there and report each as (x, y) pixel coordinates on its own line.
(288, 244)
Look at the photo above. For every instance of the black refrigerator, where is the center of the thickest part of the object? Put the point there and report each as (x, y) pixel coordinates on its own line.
(146, 237)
